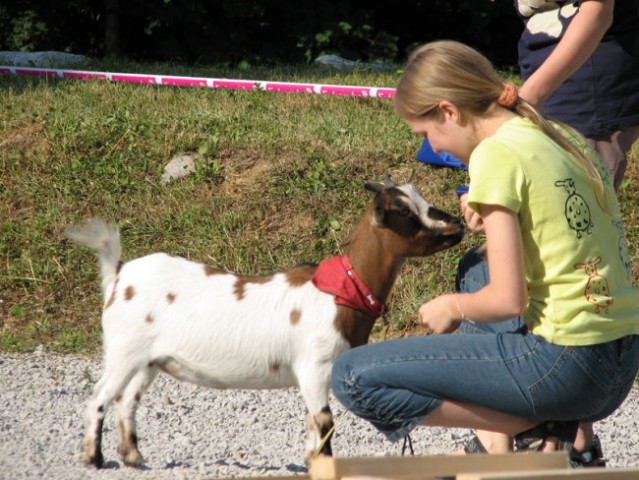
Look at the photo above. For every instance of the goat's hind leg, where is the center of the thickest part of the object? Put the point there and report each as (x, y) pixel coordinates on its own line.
(113, 381)
(125, 408)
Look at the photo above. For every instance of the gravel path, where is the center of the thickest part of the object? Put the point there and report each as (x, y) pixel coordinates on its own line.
(190, 432)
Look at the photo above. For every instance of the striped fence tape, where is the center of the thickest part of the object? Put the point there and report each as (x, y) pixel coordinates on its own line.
(180, 81)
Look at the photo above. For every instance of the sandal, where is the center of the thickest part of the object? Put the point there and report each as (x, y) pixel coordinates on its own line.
(534, 440)
(474, 446)
(591, 457)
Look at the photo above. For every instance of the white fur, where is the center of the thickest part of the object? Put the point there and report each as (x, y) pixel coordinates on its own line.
(165, 312)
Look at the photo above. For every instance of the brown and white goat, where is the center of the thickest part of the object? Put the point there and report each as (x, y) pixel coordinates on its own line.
(222, 330)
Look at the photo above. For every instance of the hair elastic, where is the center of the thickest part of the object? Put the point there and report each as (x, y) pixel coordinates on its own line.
(509, 96)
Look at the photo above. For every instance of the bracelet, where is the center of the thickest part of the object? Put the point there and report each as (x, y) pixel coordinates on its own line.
(461, 312)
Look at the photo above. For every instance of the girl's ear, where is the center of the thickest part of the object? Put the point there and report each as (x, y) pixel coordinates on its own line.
(449, 110)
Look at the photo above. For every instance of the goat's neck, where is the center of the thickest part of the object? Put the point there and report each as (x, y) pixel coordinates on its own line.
(374, 260)
(377, 266)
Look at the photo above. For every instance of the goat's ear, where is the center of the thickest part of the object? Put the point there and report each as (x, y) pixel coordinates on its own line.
(375, 187)
(379, 214)
(388, 181)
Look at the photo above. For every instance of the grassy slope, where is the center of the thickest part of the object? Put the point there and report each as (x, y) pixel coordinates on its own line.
(280, 183)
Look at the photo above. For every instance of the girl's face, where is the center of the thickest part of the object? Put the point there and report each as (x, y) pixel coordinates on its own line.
(445, 132)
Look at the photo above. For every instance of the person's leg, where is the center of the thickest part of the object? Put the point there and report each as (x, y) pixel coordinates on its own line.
(399, 384)
(613, 148)
(472, 274)
(456, 414)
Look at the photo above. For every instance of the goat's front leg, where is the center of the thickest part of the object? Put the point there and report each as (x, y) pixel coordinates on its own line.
(319, 434)
(319, 417)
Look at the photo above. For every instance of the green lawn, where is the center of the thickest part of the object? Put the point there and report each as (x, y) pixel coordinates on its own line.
(280, 183)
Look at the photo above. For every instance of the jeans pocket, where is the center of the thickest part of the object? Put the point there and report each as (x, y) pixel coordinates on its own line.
(568, 391)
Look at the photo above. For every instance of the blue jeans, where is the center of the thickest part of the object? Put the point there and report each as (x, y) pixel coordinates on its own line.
(398, 383)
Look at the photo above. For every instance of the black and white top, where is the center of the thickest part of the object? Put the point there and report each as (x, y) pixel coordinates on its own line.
(603, 95)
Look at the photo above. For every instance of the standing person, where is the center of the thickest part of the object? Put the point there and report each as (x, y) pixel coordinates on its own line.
(566, 274)
(580, 64)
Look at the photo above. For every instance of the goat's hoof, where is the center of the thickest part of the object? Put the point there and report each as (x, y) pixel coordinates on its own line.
(133, 459)
(96, 459)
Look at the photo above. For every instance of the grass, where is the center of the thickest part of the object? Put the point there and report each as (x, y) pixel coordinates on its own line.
(280, 182)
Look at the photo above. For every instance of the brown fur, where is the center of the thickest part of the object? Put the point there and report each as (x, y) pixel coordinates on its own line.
(129, 292)
(243, 281)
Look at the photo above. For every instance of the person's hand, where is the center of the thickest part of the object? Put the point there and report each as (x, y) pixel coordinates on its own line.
(439, 315)
(473, 220)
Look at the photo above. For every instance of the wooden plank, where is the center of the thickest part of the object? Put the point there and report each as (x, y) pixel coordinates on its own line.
(291, 477)
(562, 474)
(426, 467)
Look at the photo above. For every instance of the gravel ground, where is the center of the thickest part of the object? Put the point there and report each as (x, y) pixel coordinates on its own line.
(190, 432)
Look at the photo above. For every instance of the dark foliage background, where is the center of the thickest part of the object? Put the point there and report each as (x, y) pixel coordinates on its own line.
(233, 32)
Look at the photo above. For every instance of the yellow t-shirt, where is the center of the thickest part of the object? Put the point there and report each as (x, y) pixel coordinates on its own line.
(576, 260)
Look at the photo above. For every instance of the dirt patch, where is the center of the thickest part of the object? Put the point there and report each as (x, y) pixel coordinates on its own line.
(31, 140)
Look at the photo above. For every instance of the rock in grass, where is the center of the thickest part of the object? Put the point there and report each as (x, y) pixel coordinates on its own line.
(179, 167)
(40, 59)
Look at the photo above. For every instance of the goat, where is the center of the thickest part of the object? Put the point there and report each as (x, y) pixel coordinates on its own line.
(220, 330)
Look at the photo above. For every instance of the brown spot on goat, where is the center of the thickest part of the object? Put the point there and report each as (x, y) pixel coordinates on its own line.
(170, 297)
(149, 318)
(118, 399)
(112, 297)
(208, 271)
(129, 292)
(241, 282)
(295, 317)
(300, 275)
(274, 367)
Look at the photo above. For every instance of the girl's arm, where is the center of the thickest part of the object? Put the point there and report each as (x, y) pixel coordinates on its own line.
(580, 40)
(504, 297)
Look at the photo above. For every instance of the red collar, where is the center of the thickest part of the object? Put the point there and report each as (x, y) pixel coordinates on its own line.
(338, 277)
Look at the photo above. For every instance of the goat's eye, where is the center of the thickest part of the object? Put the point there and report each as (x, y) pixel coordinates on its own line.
(403, 212)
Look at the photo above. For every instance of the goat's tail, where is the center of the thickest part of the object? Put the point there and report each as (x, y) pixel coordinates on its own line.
(105, 239)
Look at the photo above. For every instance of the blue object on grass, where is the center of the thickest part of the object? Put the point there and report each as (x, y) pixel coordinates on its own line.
(461, 190)
(443, 159)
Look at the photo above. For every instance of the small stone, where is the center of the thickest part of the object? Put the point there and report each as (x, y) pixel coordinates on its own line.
(179, 167)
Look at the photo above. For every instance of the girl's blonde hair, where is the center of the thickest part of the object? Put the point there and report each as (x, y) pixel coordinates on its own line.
(452, 71)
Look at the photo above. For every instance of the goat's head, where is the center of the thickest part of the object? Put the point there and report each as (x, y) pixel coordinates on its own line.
(403, 212)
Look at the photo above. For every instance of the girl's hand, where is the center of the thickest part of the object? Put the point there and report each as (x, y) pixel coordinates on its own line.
(440, 314)
(473, 219)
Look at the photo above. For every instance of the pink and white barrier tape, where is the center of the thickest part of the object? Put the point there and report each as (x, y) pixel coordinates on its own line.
(288, 87)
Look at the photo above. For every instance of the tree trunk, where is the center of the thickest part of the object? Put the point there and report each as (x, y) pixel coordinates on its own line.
(111, 27)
